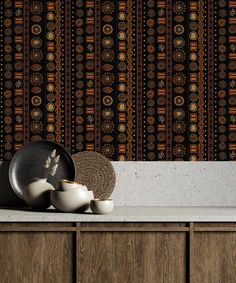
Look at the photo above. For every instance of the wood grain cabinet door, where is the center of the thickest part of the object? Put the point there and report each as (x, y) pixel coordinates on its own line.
(214, 253)
(110, 253)
(36, 257)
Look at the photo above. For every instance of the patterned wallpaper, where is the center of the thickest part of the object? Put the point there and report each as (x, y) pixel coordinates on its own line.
(134, 80)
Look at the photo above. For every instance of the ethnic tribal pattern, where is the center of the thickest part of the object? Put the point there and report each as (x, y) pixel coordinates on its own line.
(132, 79)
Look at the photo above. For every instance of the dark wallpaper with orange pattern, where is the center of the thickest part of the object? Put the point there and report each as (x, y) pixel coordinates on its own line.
(134, 80)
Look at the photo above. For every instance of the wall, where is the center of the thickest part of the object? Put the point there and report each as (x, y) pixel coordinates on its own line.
(134, 80)
(175, 183)
(159, 184)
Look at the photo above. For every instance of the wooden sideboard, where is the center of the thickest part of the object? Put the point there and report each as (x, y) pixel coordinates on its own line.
(117, 252)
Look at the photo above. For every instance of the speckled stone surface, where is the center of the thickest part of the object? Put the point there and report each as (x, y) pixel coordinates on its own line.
(175, 183)
(126, 214)
(160, 184)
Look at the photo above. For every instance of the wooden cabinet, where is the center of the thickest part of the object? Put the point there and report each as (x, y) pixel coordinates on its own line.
(214, 253)
(41, 256)
(118, 252)
(132, 253)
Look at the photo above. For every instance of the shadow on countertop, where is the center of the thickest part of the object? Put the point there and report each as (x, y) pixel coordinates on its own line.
(48, 210)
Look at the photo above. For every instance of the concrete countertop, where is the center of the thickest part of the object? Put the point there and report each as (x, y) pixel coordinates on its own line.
(125, 214)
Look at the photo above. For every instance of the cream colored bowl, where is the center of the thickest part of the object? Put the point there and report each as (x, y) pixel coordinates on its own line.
(67, 185)
(102, 206)
(71, 201)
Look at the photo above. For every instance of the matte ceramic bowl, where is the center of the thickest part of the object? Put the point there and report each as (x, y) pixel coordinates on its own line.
(102, 206)
(71, 201)
(67, 185)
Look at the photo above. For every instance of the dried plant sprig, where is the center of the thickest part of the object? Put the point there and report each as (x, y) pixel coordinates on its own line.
(57, 158)
(48, 162)
(53, 170)
(53, 153)
(51, 164)
(54, 167)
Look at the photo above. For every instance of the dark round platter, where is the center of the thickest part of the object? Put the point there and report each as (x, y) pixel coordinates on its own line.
(28, 163)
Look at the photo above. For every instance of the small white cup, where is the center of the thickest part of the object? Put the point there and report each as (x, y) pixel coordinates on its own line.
(102, 206)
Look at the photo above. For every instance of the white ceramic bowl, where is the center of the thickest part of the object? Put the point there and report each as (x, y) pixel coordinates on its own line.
(71, 201)
(67, 185)
(102, 206)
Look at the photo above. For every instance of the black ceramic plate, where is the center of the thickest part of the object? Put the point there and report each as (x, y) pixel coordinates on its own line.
(28, 163)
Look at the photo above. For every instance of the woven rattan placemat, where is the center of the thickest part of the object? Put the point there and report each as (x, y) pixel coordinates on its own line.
(96, 172)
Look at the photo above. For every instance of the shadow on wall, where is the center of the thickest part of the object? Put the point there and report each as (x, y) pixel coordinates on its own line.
(7, 195)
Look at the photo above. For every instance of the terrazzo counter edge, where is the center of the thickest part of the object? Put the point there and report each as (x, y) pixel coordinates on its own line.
(125, 214)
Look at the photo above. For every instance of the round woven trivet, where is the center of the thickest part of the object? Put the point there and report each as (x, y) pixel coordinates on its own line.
(96, 172)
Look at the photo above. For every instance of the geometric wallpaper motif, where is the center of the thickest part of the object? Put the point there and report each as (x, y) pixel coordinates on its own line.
(132, 79)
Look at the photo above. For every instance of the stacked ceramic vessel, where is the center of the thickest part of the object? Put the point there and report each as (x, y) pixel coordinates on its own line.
(71, 197)
(44, 173)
